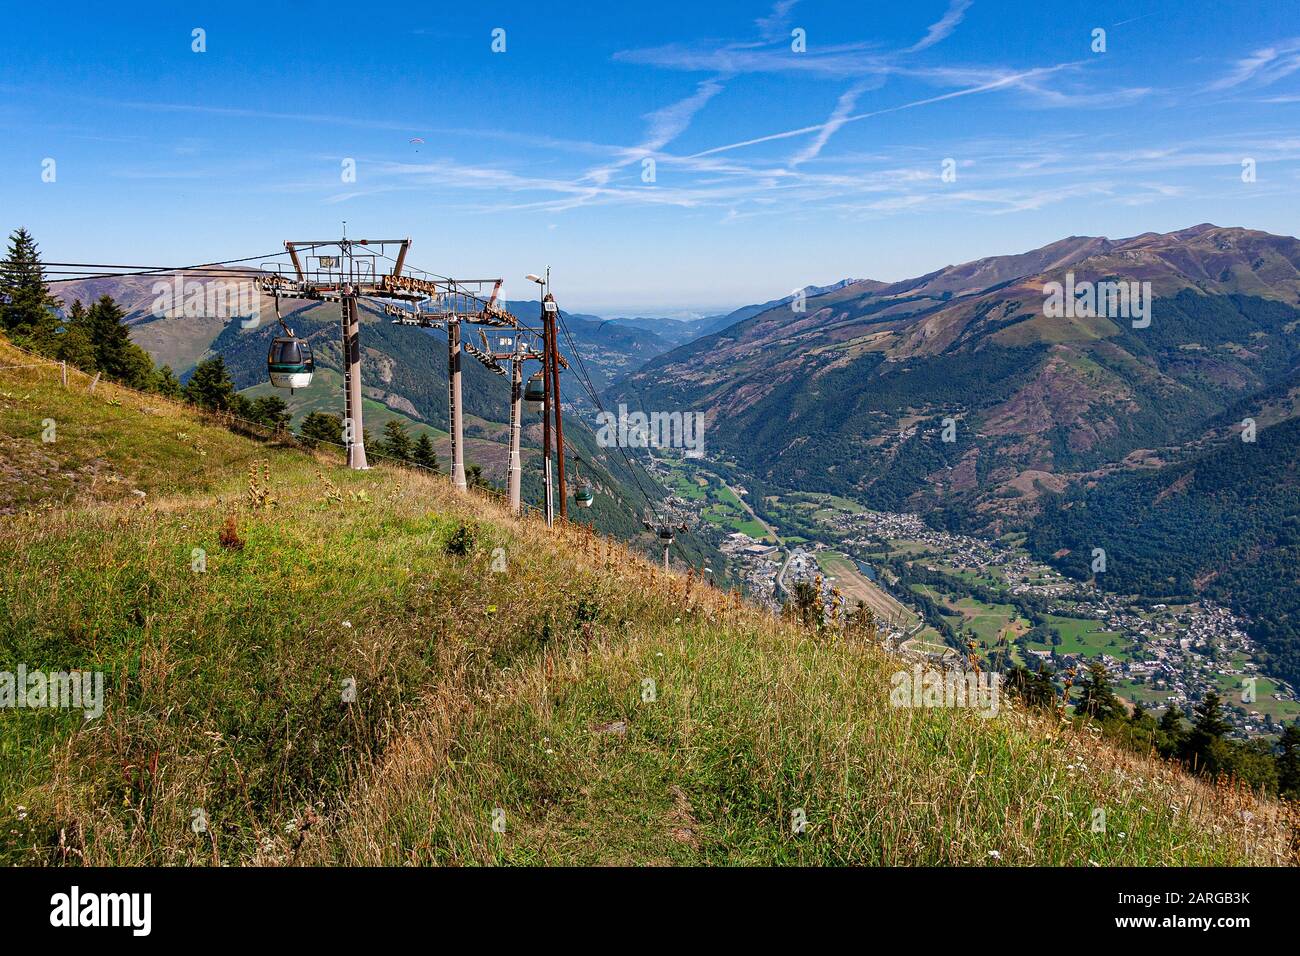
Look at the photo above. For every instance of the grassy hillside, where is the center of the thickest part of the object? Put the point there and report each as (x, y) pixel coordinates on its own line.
(405, 378)
(486, 680)
(104, 446)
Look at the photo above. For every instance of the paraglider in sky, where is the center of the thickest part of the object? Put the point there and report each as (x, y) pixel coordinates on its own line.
(417, 143)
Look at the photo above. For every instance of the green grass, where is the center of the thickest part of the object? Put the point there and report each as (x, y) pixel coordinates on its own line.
(722, 508)
(522, 690)
(1230, 687)
(1083, 636)
(105, 444)
(989, 622)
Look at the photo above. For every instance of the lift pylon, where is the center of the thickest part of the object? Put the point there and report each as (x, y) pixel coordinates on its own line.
(339, 270)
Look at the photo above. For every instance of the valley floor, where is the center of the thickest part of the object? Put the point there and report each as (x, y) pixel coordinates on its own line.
(1158, 654)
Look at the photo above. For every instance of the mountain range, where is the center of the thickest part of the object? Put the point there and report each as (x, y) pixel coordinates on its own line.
(849, 395)
(965, 396)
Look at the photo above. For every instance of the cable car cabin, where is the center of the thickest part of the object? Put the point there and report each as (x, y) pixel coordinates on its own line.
(666, 535)
(535, 392)
(583, 498)
(290, 363)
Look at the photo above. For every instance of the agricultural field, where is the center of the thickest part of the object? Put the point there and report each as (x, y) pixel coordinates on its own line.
(719, 505)
(1230, 688)
(990, 623)
(1086, 637)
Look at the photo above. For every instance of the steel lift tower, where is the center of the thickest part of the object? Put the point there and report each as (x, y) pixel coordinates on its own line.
(348, 270)
(448, 304)
(340, 270)
(519, 352)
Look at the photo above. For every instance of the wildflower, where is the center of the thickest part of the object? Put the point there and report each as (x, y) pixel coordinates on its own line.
(347, 624)
(995, 854)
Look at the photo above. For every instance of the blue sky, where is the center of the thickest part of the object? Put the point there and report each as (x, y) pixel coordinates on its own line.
(773, 168)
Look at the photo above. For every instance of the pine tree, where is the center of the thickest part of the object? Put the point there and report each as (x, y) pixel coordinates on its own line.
(422, 453)
(396, 443)
(1035, 688)
(1097, 700)
(1170, 731)
(1288, 762)
(323, 427)
(1171, 721)
(27, 309)
(1203, 746)
(241, 407)
(271, 411)
(210, 386)
(474, 477)
(1209, 716)
(115, 354)
(73, 345)
(165, 382)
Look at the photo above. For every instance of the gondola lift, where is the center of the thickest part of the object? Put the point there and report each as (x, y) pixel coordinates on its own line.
(289, 361)
(583, 497)
(535, 393)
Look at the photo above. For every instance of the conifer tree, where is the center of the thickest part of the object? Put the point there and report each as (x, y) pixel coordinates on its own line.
(1097, 699)
(73, 345)
(1209, 716)
(271, 411)
(396, 443)
(27, 308)
(1288, 762)
(210, 386)
(323, 427)
(474, 477)
(422, 453)
(115, 354)
(166, 383)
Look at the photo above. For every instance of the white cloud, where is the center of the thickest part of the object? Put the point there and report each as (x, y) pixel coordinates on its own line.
(847, 102)
(1000, 83)
(942, 29)
(1263, 67)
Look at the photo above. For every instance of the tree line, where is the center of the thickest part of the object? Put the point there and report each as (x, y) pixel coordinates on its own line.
(1199, 741)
